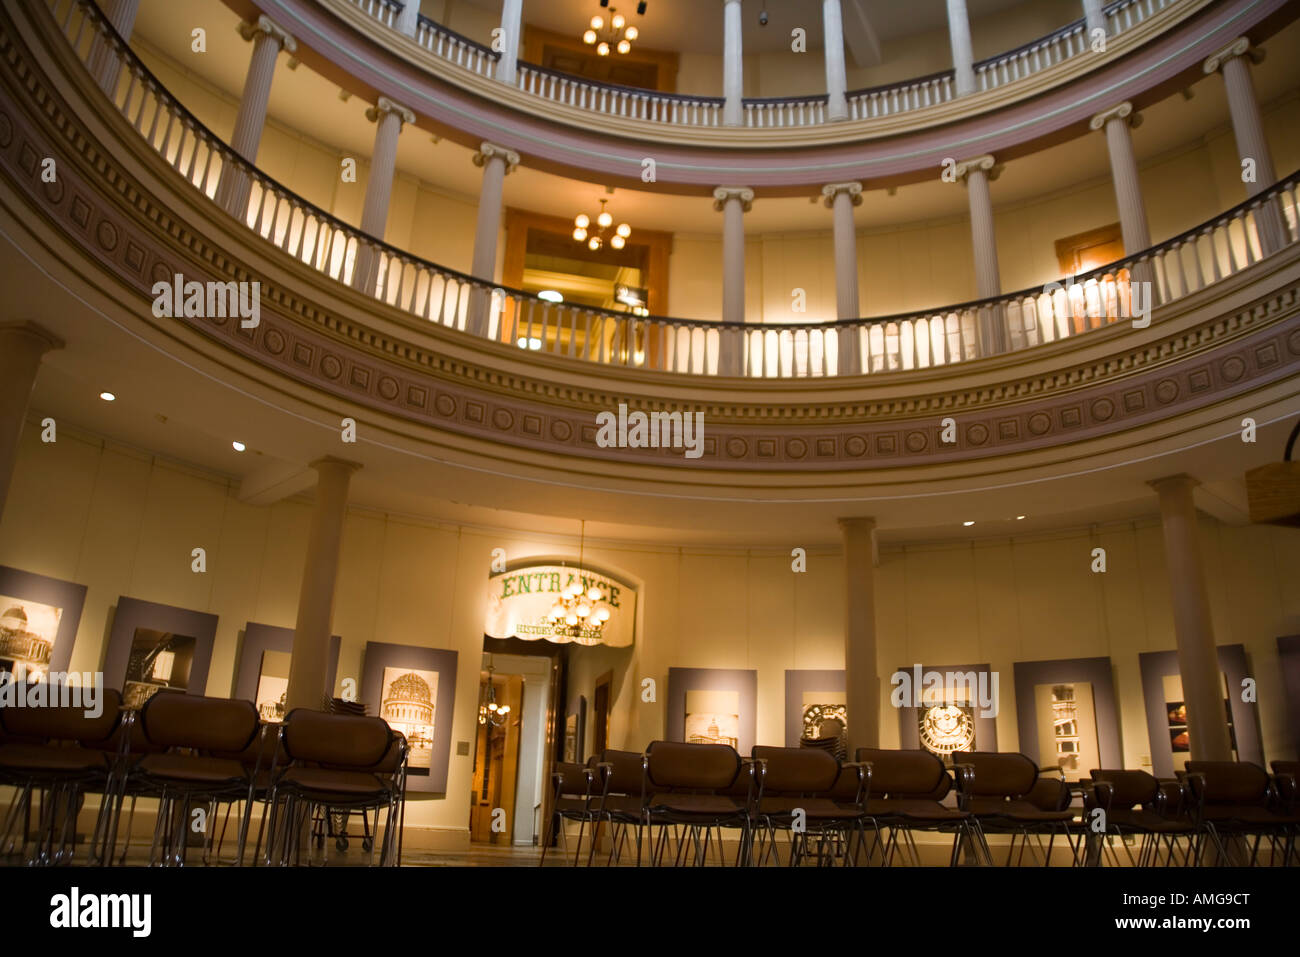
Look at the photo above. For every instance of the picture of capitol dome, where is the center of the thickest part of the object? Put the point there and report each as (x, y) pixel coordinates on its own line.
(27, 633)
(407, 703)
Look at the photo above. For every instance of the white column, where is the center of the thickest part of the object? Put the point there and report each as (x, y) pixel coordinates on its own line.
(1093, 17)
(733, 68)
(497, 162)
(409, 18)
(104, 64)
(841, 198)
(837, 107)
(861, 681)
(388, 118)
(1198, 662)
(311, 633)
(733, 202)
(963, 61)
(1124, 172)
(268, 40)
(511, 24)
(1233, 61)
(977, 173)
(22, 346)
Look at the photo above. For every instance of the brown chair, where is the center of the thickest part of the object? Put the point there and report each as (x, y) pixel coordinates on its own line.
(575, 786)
(1234, 801)
(1136, 803)
(690, 786)
(1003, 790)
(338, 763)
(797, 794)
(50, 752)
(188, 733)
(1286, 779)
(621, 780)
(908, 788)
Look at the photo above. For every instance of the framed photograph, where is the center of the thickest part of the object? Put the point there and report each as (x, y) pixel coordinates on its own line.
(262, 675)
(948, 719)
(815, 707)
(38, 623)
(1067, 716)
(1162, 692)
(414, 690)
(153, 648)
(713, 706)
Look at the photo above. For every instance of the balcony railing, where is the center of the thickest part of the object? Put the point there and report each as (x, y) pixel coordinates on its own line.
(1122, 291)
(652, 106)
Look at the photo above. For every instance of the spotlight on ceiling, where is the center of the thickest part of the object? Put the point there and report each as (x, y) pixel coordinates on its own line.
(968, 524)
(1020, 518)
(107, 396)
(238, 446)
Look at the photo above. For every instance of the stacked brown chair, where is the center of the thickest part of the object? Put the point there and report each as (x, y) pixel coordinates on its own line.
(189, 733)
(51, 753)
(690, 785)
(1234, 801)
(909, 789)
(338, 763)
(575, 786)
(796, 794)
(622, 777)
(1004, 792)
(1138, 804)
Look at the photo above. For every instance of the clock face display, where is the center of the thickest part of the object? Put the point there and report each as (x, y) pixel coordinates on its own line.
(946, 728)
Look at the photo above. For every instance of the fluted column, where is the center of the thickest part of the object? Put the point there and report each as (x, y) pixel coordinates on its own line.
(22, 346)
(1093, 17)
(977, 173)
(840, 198)
(1233, 61)
(733, 202)
(311, 634)
(511, 24)
(268, 40)
(1124, 172)
(837, 107)
(497, 162)
(861, 681)
(388, 118)
(733, 68)
(103, 63)
(963, 60)
(1198, 661)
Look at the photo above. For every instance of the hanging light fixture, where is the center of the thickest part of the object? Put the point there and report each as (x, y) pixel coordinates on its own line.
(579, 614)
(612, 33)
(596, 237)
(489, 712)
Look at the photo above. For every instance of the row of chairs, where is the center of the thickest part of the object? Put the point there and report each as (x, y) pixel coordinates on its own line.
(203, 760)
(677, 799)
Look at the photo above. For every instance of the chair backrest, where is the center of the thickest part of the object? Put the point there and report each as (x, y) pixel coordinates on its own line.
(1228, 782)
(199, 722)
(910, 774)
(797, 770)
(692, 767)
(337, 740)
(999, 773)
(60, 723)
(572, 779)
(1128, 788)
(625, 771)
(1288, 779)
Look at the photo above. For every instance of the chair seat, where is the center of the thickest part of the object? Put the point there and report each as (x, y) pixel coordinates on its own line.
(1145, 820)
(627, 805)
(43, 758)
(188, 769)
(915, 810)
(713, 805)
(1022, 812)
(815, 809)
(1248, 816)
(325, 781)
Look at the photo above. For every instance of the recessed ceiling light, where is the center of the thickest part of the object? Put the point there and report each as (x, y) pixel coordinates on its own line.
(550, 295)
(1019, 518)
(238, 446)
(107, 396)
(968, 524)
(530, 343)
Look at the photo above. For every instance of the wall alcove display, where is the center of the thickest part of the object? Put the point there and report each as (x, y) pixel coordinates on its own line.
(1162, 692)
(950, 718)
(815, 702)
(38, 622)
(414, 690)
(262, 675)
(154, 648)
(713, 706)
(1288, 649)
(1066, 715)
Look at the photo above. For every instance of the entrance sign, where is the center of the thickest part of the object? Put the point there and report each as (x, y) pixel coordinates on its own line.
(520, 603)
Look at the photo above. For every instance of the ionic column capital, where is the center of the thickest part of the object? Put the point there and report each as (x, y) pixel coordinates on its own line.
(43, 339)
(1238, 47)
(386, 106)
(1121, 111)
(330, 463)
(1173, 483)
(724, 193)
(986, 163)
(831, 190)
(861, 523)
(487, 151)
(264, 24)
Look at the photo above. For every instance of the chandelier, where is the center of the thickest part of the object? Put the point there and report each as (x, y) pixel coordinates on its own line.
(596, 236)
(489, 712)
(613, 33)
(579, 614)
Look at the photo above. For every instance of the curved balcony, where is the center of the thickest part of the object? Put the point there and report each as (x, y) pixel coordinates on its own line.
(1066, 45)
(1123, 291)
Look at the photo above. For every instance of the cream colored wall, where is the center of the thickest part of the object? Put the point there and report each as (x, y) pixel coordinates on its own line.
(122, 523)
